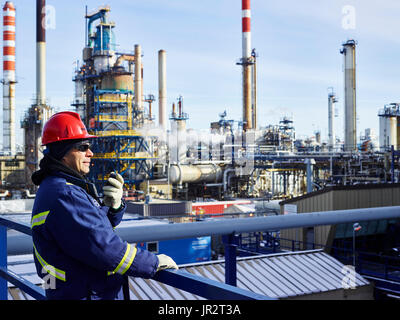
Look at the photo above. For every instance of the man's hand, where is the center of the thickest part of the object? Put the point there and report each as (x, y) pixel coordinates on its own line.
(113, 191)
(165, 262)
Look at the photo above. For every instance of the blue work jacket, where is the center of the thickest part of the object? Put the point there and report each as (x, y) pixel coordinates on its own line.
(76, 250)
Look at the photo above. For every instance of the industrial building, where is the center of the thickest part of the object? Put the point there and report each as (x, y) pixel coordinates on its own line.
(241, 168)
(342, 198)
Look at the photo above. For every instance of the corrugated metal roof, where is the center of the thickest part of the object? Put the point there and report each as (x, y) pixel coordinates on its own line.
(279, 276)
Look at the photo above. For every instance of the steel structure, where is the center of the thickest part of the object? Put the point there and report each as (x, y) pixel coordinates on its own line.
(108, 96)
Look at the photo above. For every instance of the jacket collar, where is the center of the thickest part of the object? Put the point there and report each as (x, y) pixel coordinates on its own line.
(89, 187)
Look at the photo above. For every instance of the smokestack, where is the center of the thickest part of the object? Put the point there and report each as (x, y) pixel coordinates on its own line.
(138, 85)
(9, 77)
(40, 52)
(350, 129)
(246, 63)
(331, 131)
(162, 89)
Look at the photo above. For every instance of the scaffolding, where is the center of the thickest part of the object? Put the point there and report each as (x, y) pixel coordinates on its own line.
(118, 147)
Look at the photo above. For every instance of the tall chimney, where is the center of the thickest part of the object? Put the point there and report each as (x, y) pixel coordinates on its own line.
(40, 52)
(331, 130)
(162, 89)
(246, 63)
(138, 86)
(9, 78)
(350, 127)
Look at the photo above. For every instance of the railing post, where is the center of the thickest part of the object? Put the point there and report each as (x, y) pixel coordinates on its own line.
(3, 261)
(230, 241)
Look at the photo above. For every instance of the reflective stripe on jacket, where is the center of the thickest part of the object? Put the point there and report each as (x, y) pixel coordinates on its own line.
(76, 251)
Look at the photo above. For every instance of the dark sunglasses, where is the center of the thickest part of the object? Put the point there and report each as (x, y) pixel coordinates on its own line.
(83, 147)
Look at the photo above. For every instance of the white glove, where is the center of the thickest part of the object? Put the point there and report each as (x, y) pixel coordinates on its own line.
(113, 192)
(165, 262)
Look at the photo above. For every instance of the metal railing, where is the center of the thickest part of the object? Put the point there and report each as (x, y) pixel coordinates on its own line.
(206, 288)
(228, 228)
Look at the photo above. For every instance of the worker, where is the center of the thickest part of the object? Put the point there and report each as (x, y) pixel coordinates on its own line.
(76, 250)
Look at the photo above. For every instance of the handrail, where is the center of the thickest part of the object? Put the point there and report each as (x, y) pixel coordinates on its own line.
(227, 227)
(194, 284)
(161, 232)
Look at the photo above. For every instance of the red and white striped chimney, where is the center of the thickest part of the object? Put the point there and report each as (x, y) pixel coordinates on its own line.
(246, 31)
(246, 63)
(9, 77)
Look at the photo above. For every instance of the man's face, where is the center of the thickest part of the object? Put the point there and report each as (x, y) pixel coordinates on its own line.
(78, 158)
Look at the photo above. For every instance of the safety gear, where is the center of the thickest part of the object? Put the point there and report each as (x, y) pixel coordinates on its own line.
(113, 191)
(76, 250)
(59, 149)
(165, 262)
(64, 125)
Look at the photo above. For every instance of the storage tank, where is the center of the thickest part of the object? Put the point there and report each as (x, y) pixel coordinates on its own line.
(387, 132)
(117, 79)
(388, 126)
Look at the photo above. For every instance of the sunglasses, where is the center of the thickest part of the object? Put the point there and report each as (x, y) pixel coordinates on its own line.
(83, 147)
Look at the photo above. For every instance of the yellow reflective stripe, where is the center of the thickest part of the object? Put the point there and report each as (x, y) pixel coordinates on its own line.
(39, 219)
(57, 273)
(126, 260)
(132, 256)
(68, 183)
(128, 248)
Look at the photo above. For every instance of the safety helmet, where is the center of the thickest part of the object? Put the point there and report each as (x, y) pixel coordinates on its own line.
(65, 125)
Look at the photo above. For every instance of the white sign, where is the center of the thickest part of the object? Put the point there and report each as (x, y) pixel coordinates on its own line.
(290, 209)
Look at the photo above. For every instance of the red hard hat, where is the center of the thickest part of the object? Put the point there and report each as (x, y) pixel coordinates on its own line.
(64, 125)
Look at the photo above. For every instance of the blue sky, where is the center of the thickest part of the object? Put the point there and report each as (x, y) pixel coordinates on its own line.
(298, 43)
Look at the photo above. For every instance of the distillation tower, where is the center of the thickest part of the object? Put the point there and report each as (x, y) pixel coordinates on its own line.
(109, 98)
(350, 107)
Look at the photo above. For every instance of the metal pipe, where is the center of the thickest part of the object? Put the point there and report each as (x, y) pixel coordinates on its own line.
(22, 244)
(183, 173)
(162, 90)
(9, 78)
(138, 84)
(254, 89)
(331, 130)
(310, 164)
(225, 182)
(3, 261)
(40, 52)
(230, 226)
(124, 57)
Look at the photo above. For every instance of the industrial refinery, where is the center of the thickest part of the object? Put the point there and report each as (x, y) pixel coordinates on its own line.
(235, 169)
